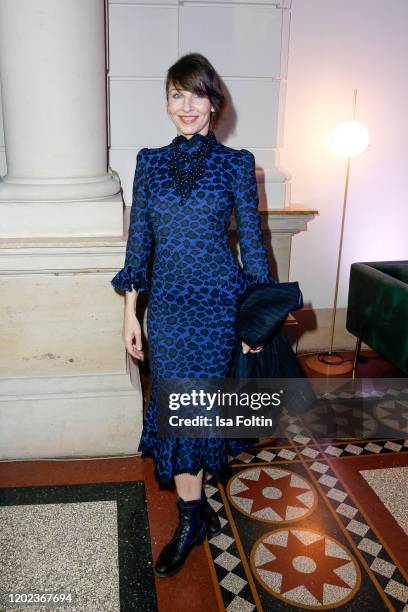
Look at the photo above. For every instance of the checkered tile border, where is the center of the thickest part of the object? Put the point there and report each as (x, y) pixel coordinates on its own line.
(365, 447)
(377, 558)
(265, 456)
(390, 393)
(235, 590)
(311, 452)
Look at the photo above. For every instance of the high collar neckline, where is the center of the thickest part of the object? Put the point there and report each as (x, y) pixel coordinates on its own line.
(196, 139)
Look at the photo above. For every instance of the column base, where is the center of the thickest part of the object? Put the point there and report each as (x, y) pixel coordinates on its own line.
(91, 415)
(67, 385)
(14, 189)
(62, 219)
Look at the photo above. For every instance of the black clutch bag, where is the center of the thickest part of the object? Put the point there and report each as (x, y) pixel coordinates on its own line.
(262, 309)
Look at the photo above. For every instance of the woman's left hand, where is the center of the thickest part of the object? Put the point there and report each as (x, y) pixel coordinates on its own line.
(247, 349)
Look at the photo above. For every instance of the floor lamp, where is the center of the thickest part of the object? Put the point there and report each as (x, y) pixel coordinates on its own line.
(350, 140)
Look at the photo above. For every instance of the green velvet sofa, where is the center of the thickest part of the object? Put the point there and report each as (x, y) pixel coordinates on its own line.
(377, 309)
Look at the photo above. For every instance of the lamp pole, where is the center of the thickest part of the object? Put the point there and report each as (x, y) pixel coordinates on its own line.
(329, 362)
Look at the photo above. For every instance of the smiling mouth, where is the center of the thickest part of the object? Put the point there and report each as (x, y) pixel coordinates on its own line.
(188, 118)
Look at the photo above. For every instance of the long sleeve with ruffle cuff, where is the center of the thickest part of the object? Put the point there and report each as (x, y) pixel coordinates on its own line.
(251, 245)
(140, 238)
(130, 278)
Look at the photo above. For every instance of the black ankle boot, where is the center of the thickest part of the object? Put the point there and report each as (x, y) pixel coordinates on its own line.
(190, 532)
(211, 520)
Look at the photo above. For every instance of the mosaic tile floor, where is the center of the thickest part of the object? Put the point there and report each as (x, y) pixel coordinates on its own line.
(311, 525)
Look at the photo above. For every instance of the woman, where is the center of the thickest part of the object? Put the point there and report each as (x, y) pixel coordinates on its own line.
(183, 197)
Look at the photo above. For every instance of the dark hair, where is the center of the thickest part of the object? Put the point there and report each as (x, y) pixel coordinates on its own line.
(195, 73)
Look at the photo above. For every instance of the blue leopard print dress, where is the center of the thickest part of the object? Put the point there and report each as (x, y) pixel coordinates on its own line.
(195, 283)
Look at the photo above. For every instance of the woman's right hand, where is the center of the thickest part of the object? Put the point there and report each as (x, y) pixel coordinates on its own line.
(132, 336)
(248, 349)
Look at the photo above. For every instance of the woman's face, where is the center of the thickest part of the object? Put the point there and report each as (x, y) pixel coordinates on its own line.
(189, 112)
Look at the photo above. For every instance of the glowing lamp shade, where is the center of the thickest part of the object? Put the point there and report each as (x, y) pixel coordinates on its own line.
(351, 139)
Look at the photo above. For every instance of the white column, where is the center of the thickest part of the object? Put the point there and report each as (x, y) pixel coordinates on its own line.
(53, 84)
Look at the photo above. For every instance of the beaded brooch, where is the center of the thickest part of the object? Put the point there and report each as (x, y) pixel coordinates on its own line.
(186, 178)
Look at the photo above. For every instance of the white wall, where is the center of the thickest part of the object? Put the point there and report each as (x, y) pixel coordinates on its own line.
(3, 165)
(246, 42)
(335, 47)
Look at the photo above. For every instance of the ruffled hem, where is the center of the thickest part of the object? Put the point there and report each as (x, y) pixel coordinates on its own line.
(166, 482)
(130, 278)
(235, 446)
